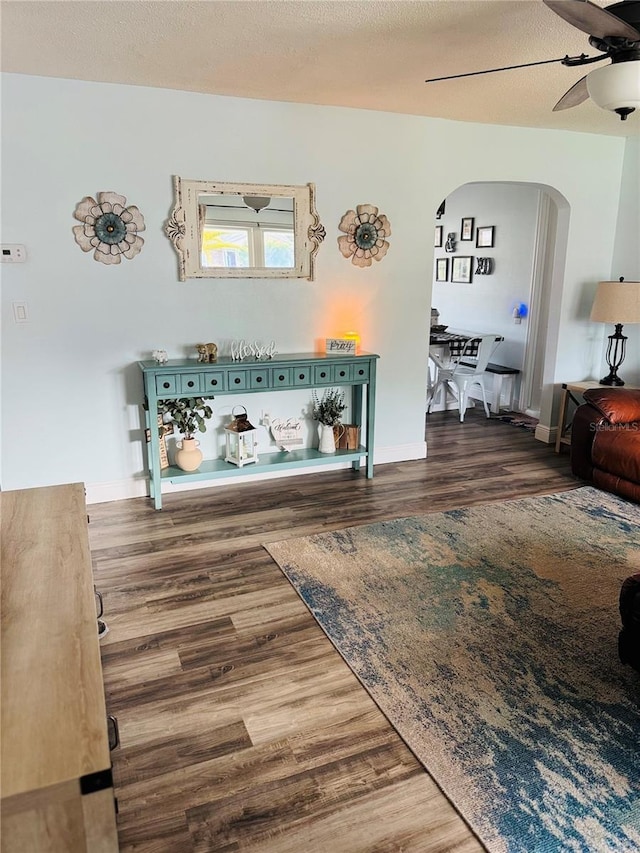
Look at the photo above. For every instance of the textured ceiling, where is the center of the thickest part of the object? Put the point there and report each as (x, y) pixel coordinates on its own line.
(354, 53)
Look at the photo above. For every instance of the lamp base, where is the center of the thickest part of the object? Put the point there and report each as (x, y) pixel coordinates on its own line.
(612, 379)
(615, 356)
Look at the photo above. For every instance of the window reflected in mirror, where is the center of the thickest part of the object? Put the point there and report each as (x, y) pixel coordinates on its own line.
(234, 234)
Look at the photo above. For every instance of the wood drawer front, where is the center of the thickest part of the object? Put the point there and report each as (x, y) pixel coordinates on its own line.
(213, 382)
(54, 736)
(238, 380)
(361, 372)
(302, 375)
(342, 373)
(323, 374)
(259, 378)
(281, 377)
(166, 384)
(190, 383)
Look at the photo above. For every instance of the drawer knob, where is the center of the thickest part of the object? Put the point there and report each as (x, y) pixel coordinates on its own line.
(301, 376)
(237, 380)
(281, 377)
(214, 381)
(361, 372)
(166, 384)
(258, 378)
(323, 375)
(342, 373)
(190, 383)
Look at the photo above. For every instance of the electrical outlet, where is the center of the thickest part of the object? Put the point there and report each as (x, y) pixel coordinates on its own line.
(13, 253)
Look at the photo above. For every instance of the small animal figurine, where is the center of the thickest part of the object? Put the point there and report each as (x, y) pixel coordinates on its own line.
(160, 355)
(207, 352)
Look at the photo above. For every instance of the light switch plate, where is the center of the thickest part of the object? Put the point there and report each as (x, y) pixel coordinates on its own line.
(13, 253)
(20, 313)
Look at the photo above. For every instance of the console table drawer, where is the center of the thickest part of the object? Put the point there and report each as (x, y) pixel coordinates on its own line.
(360, 372)
(259, 378)
(238, 380)
(214, 382)
(166, 384)
(342, 374)
(322, 374)
(190, 383)
(302, 375)
(281, 377)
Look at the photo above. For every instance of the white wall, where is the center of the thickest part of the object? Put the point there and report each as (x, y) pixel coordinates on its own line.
(626, 254)
(70, 386)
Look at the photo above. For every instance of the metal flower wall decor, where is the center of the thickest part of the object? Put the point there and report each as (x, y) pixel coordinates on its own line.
(109, 227)
(365, 231)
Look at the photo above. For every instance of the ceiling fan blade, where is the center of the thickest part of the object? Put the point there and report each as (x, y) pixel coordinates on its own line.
(577, 94)
(593, 20)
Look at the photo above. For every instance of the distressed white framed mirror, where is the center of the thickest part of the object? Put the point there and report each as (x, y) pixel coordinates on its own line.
(224, 230)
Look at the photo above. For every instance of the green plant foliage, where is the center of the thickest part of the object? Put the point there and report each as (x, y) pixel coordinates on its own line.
(328, 409)
(188, 413)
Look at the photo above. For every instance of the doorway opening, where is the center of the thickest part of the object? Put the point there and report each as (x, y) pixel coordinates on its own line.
(500, 250)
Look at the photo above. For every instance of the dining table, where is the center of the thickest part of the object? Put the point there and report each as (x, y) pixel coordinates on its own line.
(452, 343)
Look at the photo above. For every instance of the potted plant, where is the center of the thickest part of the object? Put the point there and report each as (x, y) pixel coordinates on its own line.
(189, 415)
(328, 411)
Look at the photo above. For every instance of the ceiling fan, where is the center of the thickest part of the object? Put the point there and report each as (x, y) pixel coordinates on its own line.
(615, 32)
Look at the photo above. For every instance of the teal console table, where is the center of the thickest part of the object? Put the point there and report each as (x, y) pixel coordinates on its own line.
(294, 371)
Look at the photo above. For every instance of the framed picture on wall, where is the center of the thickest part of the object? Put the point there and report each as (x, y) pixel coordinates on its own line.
(484, 237)
(466, 229)
(442, 269)
(437, 240)
(461, 267)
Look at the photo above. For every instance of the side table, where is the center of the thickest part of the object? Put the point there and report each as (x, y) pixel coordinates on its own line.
(569, 401)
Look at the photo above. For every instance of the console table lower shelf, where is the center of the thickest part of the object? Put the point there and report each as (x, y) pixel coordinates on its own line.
(211, 469)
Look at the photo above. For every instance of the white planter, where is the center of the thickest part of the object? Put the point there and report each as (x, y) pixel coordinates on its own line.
(327, 441)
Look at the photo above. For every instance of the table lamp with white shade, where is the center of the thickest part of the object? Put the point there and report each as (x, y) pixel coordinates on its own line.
(616, 302)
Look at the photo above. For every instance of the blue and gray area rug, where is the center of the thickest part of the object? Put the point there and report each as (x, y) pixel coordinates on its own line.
(488, 638)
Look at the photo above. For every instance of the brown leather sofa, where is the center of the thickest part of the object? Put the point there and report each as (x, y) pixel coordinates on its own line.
(629, 638)
(605, 440)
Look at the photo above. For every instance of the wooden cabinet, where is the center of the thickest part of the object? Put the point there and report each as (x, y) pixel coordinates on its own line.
(57, 791)
(292, 371)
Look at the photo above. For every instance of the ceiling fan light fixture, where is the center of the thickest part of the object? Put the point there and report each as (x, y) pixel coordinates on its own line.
(616, 87)
(256, 202)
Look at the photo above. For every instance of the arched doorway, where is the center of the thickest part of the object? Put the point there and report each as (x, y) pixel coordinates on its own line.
(530, 231)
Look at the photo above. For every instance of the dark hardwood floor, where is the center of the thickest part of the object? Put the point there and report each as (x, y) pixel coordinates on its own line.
(241, 727)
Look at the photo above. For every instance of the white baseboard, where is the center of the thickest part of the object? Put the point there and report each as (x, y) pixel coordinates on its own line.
(546, 434)
(116, 490)
(400, 453)
(136, 487)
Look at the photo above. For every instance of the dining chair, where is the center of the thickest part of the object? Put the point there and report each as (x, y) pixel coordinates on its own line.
(461, 377)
